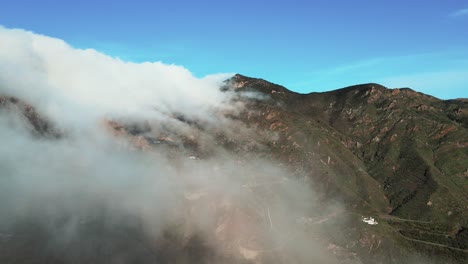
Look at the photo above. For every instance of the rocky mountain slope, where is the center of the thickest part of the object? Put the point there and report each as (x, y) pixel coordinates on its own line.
(396, 155)
(395, 152)
(412, 145)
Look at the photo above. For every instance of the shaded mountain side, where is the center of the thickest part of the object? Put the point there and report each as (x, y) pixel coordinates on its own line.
(393, 151)
(310, 146)
(405, 152)
(415, 145)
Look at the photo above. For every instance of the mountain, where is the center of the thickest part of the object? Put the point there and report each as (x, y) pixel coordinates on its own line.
(408, 148)
(394, 152)
(396, 155)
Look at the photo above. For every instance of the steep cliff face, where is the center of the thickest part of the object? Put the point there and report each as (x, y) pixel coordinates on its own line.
(394, 154)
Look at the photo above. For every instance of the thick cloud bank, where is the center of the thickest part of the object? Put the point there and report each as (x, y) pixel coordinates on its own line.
(74, 85)
(97, 194)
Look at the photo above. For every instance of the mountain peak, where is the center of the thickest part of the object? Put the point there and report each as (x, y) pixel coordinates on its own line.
(243, 82)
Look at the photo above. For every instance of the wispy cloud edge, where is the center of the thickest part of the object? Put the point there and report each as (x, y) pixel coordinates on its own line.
(459, 12)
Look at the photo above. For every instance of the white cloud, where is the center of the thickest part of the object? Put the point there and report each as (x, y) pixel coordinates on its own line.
(81, 85)
(82, 173)
(460, 12)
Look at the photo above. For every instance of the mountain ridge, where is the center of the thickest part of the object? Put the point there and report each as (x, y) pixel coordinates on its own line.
(340, 109)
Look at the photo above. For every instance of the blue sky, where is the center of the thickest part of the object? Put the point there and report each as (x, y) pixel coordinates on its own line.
(306, 46)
